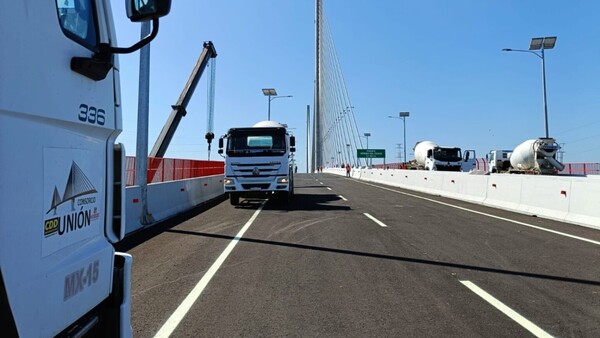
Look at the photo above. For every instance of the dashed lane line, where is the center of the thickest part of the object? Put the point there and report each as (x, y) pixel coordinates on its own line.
(381, 224)
(512, 314)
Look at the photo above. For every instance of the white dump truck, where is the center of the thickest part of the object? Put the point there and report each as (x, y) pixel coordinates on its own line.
(430, 156)
(536, 156)
(62, 184)
(259, 162)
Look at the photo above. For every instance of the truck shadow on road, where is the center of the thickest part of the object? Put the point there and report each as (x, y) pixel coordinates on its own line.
(308, 202)
(405, 260)
(309, 186)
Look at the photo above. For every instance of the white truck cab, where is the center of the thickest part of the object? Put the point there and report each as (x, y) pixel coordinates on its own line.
(259, 162)
(62, 175)
(498, 161)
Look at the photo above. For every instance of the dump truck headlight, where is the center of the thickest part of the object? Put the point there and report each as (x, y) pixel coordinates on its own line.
(228, 181)
(283, 180)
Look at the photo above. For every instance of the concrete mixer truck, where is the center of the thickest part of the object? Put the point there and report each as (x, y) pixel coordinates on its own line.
(258, 162)
(430, 156)
(537, 156)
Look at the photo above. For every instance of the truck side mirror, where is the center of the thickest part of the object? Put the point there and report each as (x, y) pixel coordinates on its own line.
(292, 142)
(144, 10)
(292, 149)
(221, 143)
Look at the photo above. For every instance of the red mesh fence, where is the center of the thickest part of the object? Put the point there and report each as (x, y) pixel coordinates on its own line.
(171, 169)
(581, 169)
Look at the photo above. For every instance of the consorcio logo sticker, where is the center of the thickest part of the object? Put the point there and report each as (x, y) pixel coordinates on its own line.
(79, 192)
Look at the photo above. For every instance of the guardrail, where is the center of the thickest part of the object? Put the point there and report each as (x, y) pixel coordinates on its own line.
(572, 199)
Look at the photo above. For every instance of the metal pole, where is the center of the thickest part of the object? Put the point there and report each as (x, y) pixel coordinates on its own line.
(269, 114)
(142, 127)
(368, 150)
(404, 123)
(307, 133)
(545, 102)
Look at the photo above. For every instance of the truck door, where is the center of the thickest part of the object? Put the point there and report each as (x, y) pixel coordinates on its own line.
(469, 161)
(56, 129)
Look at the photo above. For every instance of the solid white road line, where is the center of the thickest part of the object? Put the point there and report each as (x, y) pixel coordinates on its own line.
(524, 322)
(342, 197)
(171, 324)
(488, 215)
(381, 224)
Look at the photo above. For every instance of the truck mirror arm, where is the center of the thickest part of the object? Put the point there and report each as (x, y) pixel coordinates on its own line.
(139, 44)
(98, 66)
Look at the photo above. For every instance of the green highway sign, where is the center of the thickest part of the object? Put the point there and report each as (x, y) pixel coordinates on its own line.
(370, 153)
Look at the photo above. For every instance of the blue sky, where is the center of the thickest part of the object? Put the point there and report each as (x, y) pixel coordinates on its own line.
(441, 60)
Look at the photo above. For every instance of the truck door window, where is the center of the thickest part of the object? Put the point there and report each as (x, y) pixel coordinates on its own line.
(78, 21)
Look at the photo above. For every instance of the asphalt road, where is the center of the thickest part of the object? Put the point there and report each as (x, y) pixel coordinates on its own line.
(419, 266)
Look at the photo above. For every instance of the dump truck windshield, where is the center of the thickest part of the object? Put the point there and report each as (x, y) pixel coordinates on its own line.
(447, 154)
(256, 143)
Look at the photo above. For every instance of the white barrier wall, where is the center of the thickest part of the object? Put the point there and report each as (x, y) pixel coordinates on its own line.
(168, 199)
(573, 199)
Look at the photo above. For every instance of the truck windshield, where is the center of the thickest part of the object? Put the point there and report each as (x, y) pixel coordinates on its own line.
(256, 143)
(447, 154)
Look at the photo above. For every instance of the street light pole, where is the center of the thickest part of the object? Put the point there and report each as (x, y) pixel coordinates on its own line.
(545, 100)
(403, 115)
(540, 44)
(368, 159)
(269, 110)
(271, 93)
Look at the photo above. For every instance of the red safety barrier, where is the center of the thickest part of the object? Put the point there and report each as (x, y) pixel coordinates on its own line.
(171, 169)
(481, 164)
(581, 169)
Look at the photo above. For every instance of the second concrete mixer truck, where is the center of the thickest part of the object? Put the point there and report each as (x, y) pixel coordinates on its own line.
(534, 156)
(430, 156)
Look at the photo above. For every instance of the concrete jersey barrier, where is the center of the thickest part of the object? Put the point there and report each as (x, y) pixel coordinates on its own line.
(168, 199)
(572, 199)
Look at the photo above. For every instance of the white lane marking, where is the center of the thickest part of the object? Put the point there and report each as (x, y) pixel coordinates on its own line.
(489, 215)
(321, 182)
(381, 224)
(171, 324)
(524, 322)
(328, 188)
(342, 197)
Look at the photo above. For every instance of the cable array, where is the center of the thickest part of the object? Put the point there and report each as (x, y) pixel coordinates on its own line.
(336, 137)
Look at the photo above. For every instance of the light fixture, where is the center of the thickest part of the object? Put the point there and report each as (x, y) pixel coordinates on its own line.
(536, 43)
(269, 92)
